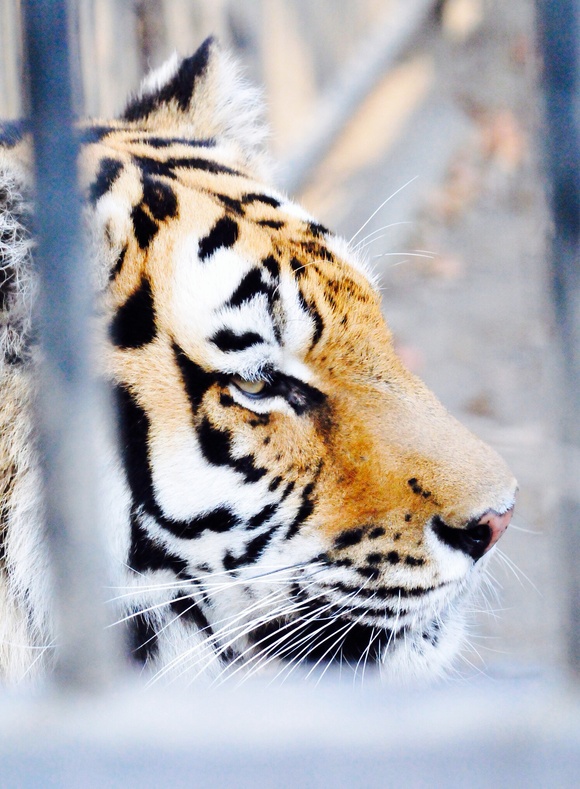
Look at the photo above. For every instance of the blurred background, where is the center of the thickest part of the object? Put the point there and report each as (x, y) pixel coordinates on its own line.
(435, 105)
(433, 109)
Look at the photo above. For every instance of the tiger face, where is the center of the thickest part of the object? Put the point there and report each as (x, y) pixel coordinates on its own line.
(284, 490)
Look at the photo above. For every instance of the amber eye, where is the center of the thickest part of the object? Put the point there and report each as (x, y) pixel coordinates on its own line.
(251, 388)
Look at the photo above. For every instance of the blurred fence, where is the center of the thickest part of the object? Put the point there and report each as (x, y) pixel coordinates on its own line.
(313, 73)
(286, 45)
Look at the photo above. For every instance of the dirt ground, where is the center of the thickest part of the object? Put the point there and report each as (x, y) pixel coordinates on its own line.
(469, 301)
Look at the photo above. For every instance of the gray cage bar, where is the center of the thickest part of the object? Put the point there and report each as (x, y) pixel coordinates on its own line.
(68, 400)
(559, 28)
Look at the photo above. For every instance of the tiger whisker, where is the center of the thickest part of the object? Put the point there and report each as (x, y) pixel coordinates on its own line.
(214, 638)
(298, 625)
(360, 244)
(310, 635)
(517, 572)
(342, 636)
(405, 254)
(339, 641)
(376, 211)
(37, 658)
(187, 581)
(366, 654)
(259, 656)
(244, 628)
(208, 589)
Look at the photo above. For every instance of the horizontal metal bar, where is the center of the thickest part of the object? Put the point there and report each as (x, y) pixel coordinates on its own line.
(493, 733)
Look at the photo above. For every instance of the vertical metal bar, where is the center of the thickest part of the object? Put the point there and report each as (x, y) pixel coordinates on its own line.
(559, 29)
(67, 396)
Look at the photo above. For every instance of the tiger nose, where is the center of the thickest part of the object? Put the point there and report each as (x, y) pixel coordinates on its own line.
(497, 524)
(478, 537)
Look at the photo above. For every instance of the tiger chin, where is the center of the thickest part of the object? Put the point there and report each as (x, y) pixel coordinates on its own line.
(283, 493)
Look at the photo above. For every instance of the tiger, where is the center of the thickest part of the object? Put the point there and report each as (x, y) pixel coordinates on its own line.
(283, 493)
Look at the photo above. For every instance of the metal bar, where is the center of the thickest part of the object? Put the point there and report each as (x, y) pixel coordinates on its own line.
(67, 398)
(559, 28)
(362, 73)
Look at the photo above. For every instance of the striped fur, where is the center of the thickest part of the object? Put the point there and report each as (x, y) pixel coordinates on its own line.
(280, 481)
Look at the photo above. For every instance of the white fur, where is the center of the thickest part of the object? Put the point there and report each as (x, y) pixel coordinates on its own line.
(159, 77)
(15, 250)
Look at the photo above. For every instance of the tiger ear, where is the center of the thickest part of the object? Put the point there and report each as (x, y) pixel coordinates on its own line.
(202, 96)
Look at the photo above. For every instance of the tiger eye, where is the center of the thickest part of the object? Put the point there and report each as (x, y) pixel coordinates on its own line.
(250, 387)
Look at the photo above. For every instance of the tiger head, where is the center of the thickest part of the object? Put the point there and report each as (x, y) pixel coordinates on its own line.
(285, 491)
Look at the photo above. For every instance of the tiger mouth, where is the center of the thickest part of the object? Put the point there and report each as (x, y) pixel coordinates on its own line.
(324, 640)
(324, 632)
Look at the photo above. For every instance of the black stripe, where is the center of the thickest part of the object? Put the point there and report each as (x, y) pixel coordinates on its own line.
(133, 434)
(159, 198)
(259, 198)
(231, 203)
(109, 171)
(134, 429)
(215, 444)
(304, 511)
(178, 89)
(195, 379)
(116, 270)
(143, 645)
(310, 308)
(226, 340)
(254, 550)
(216, 448)
(145, 554)
(134, 323)
(271, 264)
(261, 517)
(223, 234)
(314, 250)
(220, 520)
(195, 163)
(248, 468)
(144, 226)
(297, 267)
(187, 609)
(318, 325)
(250, 286)
(288, 490)
(317, 230)
(383, 592)
(167, 167)
(275, 225)
(168, 142)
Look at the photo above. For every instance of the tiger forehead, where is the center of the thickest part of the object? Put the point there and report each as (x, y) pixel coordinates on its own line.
(177, 190)
(187, 171)
(167, 179)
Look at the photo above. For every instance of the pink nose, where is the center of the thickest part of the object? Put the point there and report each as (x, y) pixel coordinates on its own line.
(497, 525)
